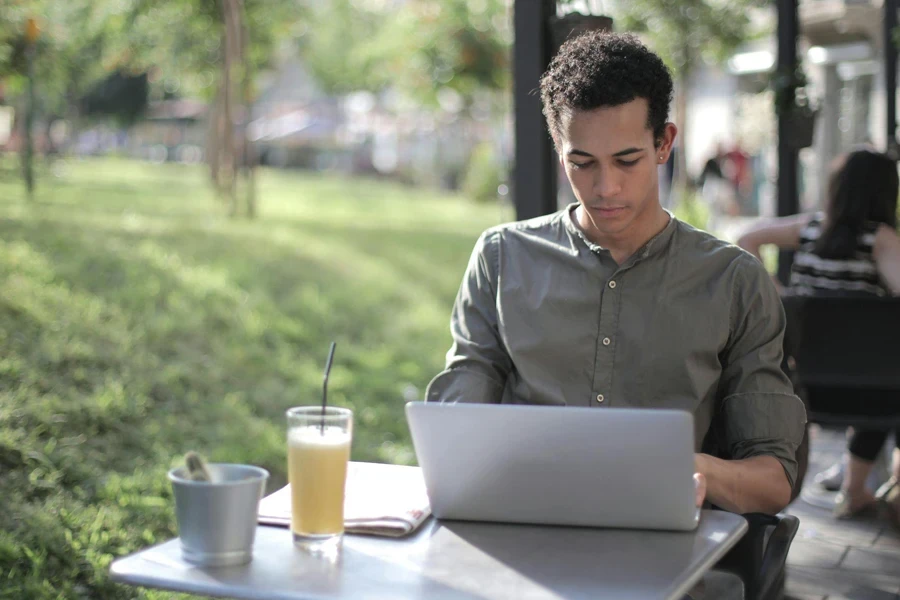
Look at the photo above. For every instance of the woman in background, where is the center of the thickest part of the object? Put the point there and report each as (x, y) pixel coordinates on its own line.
(851, 249)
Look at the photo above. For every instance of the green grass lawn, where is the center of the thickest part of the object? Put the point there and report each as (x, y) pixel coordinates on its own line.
(138, 322)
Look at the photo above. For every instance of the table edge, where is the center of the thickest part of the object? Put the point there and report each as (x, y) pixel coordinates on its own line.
(720, 550)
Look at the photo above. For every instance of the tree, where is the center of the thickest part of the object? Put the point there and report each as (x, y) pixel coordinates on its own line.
(686, 34)
(64, 61)
(336, 43)
(206, 48)
(213, 48)
(450, 45)
(83, 62)
(430, 46)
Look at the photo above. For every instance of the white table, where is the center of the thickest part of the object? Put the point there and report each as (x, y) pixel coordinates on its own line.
(447, 560)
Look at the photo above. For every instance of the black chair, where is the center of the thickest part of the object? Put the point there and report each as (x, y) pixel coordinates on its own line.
(758, 559)
(843, 354)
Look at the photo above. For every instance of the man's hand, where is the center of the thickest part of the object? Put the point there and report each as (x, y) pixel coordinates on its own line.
(700, 488)
(755, 484)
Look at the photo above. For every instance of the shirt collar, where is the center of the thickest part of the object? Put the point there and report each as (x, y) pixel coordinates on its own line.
(654, 245)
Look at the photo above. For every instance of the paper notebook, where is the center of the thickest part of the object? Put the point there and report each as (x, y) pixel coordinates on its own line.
(386, 500)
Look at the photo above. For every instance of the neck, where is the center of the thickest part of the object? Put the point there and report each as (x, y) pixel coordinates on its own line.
(623, 244)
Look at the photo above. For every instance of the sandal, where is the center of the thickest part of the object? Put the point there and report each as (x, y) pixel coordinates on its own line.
(888, 499)
(887, 488)
(843, 511)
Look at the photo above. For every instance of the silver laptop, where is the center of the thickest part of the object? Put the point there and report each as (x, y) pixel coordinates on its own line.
(550, 465)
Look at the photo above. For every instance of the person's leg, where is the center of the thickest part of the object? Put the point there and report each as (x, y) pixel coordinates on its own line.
(895, 462)
(854, 488)
(863, 448)
(895, 468)
(832, 478)
(888, 494)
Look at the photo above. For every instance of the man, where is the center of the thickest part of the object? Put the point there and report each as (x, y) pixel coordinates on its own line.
(613, 302)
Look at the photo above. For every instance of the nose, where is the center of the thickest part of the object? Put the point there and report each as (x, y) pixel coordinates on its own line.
(607, 182)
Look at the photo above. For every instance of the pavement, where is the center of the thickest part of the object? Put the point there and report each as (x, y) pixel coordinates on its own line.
(857, 559)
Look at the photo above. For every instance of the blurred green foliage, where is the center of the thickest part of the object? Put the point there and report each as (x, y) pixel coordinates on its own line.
(690, 208)
(349, 45)
(483, 175)
(82, 42)
(689, 33)
(427, 47)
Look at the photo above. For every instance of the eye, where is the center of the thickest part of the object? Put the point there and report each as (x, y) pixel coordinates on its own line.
(629, 163)
(576, 166)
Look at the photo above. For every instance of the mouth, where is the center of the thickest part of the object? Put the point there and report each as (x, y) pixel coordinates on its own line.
(607, 211)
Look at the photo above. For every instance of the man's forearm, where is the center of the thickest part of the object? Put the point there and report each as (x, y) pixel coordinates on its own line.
(756, 484)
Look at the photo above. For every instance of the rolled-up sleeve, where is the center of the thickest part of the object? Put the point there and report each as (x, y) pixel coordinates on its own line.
(477, 363)
(760, 413)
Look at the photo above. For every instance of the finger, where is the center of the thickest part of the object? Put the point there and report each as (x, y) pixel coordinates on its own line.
(700, 488)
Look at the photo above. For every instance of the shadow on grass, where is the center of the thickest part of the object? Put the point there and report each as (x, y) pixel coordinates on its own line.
(225, 313)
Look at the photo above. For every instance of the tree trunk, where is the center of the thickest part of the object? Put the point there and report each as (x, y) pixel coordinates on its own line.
(229, 162)
(214, 142)
(50, 149)
(248, 151)
(28, 127)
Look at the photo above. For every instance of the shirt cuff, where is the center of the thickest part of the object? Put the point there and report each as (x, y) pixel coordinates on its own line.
(765, 423)
(463, 385)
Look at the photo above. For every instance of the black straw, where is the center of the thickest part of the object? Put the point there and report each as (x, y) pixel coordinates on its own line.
(325, 384)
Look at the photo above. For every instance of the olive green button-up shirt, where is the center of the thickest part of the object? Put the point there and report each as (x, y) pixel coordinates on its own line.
(544, 316)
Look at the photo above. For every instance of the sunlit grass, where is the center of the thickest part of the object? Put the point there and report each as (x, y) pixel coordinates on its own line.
(138, 322)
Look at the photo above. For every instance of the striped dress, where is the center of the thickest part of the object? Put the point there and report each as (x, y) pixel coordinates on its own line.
(811, 274)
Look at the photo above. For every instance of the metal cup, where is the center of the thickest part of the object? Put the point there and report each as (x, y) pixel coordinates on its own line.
(217, 520)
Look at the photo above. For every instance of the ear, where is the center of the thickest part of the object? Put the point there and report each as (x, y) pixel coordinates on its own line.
(666, 143)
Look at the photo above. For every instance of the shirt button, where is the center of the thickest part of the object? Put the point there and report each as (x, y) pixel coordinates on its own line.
(606, 341)
(599, 397)
(612, 284)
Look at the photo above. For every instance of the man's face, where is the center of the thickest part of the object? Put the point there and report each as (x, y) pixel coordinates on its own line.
(611, 160)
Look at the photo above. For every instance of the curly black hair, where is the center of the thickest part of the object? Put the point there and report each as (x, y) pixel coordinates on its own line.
(599, 69)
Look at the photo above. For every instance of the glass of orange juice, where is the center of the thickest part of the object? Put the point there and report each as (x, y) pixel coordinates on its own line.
(318, 453)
